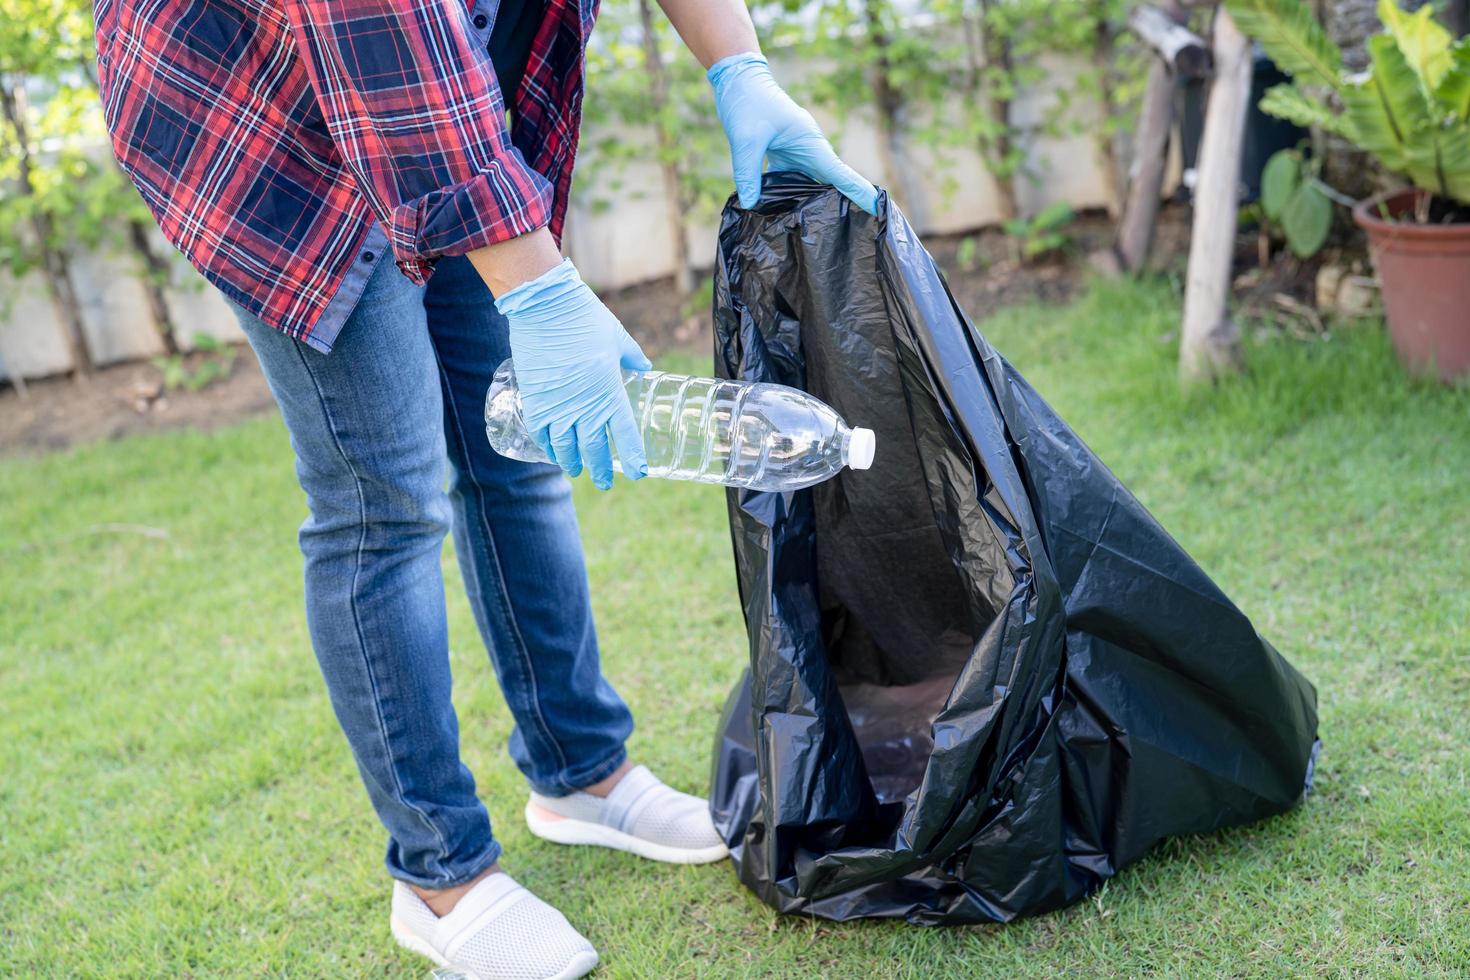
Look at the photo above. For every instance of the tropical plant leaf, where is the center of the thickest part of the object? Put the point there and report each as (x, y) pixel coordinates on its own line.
(1306, 220)
(1388, 107)
(1425, 45)
(1280, 179)
(1454, 88)
(1289, 32)
(1439, 162)
(1289, 102)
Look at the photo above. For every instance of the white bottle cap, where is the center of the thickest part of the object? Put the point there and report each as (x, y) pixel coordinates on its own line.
(861, 445)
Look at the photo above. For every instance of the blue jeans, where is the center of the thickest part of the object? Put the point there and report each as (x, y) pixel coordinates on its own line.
(373, 425)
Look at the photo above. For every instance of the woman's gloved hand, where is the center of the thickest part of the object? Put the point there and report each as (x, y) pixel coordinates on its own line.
(569, 353)
(762, 123)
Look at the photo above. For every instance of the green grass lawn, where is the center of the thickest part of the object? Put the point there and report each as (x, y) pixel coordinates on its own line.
(176, 800)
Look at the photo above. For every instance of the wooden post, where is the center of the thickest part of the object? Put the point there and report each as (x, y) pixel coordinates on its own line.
(1180, 52)
(1164, 31)
(1150, 156)
(1209, 343)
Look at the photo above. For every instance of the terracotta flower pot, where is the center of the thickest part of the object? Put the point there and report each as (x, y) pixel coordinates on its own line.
(1425, 272)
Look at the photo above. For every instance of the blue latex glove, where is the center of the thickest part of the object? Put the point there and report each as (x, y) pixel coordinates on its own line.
(762, 122)
(569, 353)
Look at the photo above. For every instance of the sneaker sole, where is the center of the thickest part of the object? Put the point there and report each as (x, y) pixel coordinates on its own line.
(580, 965)
(570, 831)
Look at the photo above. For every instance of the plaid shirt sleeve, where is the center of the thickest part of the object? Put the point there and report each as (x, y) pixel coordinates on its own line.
(415, 111)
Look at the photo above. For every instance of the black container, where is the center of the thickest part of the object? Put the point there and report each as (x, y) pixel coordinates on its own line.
(1264, 135)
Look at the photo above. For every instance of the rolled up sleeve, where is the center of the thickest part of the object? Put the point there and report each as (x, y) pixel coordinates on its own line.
(413, 107)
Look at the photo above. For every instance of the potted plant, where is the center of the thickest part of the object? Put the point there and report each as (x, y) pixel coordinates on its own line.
(1410, 110)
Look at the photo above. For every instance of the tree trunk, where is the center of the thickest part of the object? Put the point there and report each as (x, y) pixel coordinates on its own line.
(889, 104)
(155, 274)
(1209, 343)
(55, 265)
(986, 49)
(1103, 55)
(675, 203)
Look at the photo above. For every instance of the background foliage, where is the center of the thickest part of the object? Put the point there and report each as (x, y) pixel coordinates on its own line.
(53, 122)
(1410, 110)
(931, 76)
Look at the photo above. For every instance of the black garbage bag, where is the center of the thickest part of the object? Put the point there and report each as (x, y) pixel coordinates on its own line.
(982, 677)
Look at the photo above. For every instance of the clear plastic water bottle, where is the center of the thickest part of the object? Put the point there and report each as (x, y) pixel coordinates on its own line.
(741, 434)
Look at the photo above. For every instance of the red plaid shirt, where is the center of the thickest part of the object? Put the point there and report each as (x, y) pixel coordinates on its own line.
(288, 146)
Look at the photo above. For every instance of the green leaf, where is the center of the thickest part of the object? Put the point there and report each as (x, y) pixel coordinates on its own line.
(1306, 220)
(1041, 244)
(1425, 45)
(1440, 163)
(1453, 92)
(1054, 215)
(1289, 32)
(1280, 179)
(1388, 107)
(1292, 104)
(1393, 120)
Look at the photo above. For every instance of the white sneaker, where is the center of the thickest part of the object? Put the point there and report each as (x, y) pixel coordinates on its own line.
(641, 815)
(497, 931)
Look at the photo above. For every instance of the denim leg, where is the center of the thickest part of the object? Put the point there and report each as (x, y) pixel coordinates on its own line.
(366, 424)
(515, 532)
